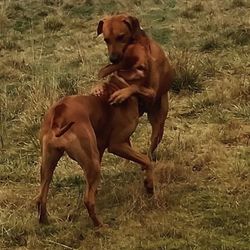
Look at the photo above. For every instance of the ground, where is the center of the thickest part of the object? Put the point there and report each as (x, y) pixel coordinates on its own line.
(49, 49)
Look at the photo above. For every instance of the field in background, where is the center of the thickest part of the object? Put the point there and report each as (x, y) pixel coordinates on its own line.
(49, 49)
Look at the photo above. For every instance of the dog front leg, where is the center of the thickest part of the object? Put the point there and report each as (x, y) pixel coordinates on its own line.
(125, 150)
(157, 117)
(108, 70)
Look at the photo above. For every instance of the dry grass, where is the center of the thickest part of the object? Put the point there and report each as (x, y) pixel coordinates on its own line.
(49, 49)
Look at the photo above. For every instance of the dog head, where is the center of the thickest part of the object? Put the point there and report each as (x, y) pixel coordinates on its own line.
(118, 32)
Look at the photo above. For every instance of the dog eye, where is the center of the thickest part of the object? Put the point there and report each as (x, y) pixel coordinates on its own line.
(120, 37)
(106, 40)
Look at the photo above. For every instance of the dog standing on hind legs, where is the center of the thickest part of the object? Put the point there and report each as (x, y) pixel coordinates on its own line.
(83, 127)
(120, 31)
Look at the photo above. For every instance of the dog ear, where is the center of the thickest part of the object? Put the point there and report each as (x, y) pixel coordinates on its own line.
(132, 23)
(99, 27)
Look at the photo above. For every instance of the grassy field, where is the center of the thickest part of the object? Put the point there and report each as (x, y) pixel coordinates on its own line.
(49, 49)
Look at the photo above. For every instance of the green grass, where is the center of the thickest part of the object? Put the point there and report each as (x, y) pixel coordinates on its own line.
(49, 49)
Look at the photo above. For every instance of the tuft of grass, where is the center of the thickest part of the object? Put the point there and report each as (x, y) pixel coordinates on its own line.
(240, 35)
(241, 111)
(210, 44)
(187, 72)
(23, 24)
(53, 23)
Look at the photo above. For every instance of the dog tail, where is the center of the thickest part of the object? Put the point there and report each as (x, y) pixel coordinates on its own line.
(64, 129)
(57, 121)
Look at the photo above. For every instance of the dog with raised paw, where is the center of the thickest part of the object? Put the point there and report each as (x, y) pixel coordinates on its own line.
(119, 33)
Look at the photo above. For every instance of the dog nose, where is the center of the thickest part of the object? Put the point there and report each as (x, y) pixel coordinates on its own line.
(114, 58)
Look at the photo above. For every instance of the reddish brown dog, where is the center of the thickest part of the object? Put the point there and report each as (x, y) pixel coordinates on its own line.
(120, 31)
(83, 127)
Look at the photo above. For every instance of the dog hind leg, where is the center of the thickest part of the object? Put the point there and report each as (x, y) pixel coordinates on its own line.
(157, 120)
(50, 157)
(83, 149)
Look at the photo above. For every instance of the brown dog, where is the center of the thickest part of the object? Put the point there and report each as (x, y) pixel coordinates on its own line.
(83, 127)
(120, 31)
